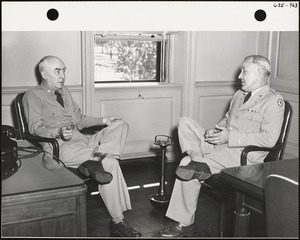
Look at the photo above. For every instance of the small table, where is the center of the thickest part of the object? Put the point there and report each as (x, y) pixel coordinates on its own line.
(37, 202)
(248, 182)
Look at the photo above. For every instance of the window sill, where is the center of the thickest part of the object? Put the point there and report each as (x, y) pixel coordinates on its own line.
(133, 85)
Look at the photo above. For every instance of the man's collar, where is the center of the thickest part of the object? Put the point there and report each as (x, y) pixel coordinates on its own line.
(47, 89)
(257, 90)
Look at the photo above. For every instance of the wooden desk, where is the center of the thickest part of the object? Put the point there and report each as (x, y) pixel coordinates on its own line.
(248, 181)
(37, 202)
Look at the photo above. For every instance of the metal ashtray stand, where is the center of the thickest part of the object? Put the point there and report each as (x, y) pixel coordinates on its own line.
(160, 200)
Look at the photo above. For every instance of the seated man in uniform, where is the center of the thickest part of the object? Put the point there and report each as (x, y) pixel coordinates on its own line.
(255, 117)
(51, 112)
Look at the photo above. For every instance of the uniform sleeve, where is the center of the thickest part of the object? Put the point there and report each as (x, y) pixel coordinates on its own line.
(32, 105)
(269, 129)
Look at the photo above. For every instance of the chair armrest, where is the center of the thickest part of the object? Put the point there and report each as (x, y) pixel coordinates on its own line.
(252, 148)
(38, 139)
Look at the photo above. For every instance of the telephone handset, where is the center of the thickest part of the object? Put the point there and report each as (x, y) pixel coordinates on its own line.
(8, 131)
(9, 152)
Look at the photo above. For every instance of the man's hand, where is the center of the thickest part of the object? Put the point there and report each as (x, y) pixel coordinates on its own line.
(109, 120)
(219, 137)
(66, 132)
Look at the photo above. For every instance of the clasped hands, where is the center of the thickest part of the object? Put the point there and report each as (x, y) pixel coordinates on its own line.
(66, 132)
(218, 135)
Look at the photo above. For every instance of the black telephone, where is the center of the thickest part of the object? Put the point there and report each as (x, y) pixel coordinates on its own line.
(9, 152)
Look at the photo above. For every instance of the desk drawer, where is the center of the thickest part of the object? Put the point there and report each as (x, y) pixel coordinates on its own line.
(38, 210)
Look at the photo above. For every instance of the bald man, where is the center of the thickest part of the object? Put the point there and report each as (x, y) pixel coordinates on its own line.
(254, 117)
(51, 112)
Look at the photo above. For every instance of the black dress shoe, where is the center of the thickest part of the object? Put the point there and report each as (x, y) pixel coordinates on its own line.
(194, 170)
(178, 231)
(95, 170)
(122, 229)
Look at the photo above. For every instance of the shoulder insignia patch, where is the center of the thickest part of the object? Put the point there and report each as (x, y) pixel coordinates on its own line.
(280, 102)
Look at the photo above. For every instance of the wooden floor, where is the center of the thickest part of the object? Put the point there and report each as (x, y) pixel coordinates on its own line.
(143, 217)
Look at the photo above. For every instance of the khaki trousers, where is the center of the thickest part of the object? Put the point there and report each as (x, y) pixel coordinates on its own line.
(112, 140)
(184, 199)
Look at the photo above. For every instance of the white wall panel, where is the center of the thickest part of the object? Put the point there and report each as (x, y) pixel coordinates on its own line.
(288, 56)
(211, 102)
(285, 62)
(212, 109)
(21, 52)
(219, 54)
(6, 115)
(155, 112)
(146, 118)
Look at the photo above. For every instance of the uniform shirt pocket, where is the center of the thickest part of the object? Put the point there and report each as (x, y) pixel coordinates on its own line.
(51, 113)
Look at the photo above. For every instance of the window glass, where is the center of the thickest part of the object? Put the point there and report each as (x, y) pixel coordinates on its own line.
(127, 58)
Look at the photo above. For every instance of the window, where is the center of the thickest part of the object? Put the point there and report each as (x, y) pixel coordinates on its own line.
(121, 57)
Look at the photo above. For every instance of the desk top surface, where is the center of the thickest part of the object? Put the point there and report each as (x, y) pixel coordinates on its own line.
(251, 178)
(33, 177)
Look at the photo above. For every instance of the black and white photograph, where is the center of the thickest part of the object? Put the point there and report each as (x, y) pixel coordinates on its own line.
(150, 119)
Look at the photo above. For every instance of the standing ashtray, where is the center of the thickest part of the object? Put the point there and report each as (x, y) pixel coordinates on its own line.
(161, 199)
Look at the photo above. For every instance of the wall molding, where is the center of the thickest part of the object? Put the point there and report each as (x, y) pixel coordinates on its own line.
(218, 84)
(16, 90)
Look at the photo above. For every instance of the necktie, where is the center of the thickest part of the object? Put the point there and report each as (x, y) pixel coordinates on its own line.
(59, 98)
(247, 97)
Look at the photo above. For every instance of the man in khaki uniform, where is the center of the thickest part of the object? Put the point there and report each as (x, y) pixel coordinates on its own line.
(51, 112)
(252, 120)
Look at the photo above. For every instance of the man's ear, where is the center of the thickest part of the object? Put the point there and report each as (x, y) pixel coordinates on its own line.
(44, 75)
(262, 74)
(259, 71)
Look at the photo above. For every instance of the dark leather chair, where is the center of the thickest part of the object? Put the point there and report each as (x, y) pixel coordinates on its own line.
(224, 195)
(282, 206)
(24, 134)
